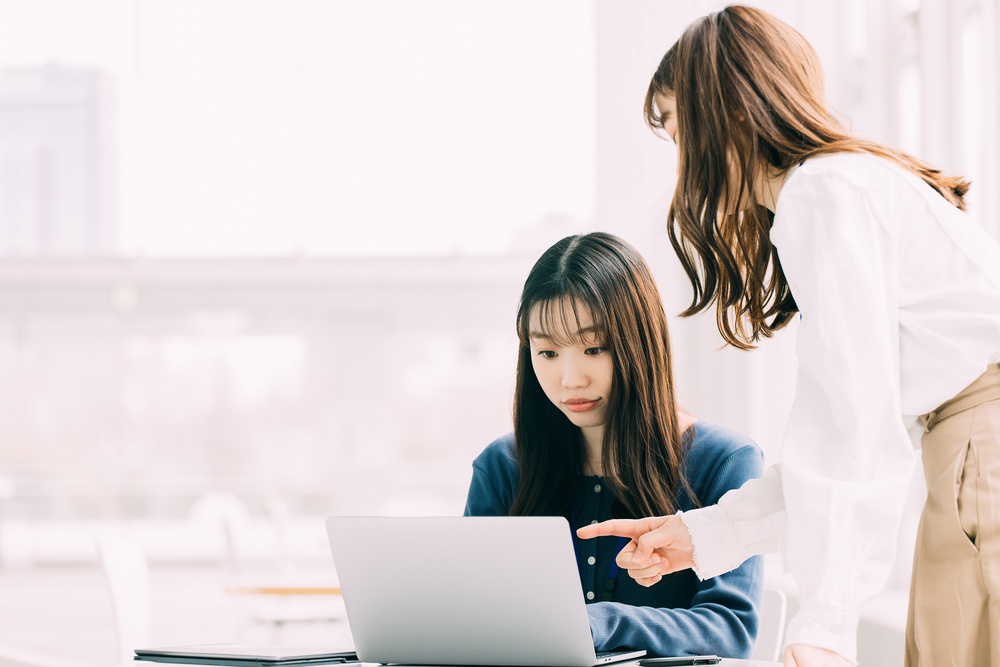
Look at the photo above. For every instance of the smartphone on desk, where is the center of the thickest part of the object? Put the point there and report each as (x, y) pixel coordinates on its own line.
(684, 660)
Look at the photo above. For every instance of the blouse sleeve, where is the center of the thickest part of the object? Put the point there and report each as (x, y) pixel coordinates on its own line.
(746, 521)
(723, 615)
(846, 459)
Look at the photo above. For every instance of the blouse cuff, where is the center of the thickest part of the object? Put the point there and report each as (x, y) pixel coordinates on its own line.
(713, 536)
(746, 522)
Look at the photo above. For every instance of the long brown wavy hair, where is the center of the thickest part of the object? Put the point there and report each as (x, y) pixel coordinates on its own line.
(643, 448)
(749, 96)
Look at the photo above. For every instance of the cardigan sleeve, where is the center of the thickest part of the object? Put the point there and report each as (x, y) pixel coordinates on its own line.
(483, 498)
(723, 615)
(494, 472)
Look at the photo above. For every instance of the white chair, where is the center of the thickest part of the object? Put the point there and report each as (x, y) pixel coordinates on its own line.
(127, 575)
(231, 516)
(772, 626)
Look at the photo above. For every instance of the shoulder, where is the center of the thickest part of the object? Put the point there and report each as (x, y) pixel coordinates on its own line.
(498, 456)
(828, 177)
(714, 442)
(720, 458)
(494, 479)
(857, 202)
(856, 168)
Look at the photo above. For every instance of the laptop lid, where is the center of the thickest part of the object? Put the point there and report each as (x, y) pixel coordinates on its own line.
(462, 590)
(243, 654)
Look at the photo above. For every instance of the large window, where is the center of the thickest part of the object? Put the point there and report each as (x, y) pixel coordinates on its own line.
(235, 240)
(282, 240)
(304, 128)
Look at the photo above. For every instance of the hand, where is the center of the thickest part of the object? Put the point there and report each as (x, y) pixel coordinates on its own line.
(658, 546)
(801, 655)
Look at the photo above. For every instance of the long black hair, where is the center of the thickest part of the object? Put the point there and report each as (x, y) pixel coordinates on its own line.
(642, 449)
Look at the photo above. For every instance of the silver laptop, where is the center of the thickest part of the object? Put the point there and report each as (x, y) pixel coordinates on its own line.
(464, 591)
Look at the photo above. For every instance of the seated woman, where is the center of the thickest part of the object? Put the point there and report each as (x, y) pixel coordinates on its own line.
(598, 435)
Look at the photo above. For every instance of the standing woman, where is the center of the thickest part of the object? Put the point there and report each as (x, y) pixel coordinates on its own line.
(598, 434)
(780, 213)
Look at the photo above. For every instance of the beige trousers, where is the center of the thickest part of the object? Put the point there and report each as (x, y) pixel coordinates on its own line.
(954, 615)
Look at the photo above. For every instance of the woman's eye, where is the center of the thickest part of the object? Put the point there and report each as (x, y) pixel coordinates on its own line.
(548, 354)
(594, 351)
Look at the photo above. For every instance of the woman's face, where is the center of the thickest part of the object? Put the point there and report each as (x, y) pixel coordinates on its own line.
(574, 368)
(666, 105)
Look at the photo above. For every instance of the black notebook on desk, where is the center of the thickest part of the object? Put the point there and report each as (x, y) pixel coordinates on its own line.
(245, 655)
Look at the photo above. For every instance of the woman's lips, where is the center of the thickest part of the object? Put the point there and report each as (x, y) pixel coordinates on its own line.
(581, 404)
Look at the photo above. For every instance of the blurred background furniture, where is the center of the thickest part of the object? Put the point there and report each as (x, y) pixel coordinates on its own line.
(127, 574)
(270, 588)
(772, 625)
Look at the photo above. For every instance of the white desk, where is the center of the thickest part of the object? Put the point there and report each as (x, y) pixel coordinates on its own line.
(726, 662)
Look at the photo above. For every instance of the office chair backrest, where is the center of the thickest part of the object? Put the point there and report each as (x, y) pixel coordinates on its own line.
(772, 626)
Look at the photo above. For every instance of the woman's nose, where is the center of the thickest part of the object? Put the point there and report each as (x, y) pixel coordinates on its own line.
(573, 375)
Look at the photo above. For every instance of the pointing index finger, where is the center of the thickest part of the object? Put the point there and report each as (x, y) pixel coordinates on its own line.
(629, 528)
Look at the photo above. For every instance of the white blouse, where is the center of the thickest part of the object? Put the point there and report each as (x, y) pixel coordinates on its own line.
(899, 297)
